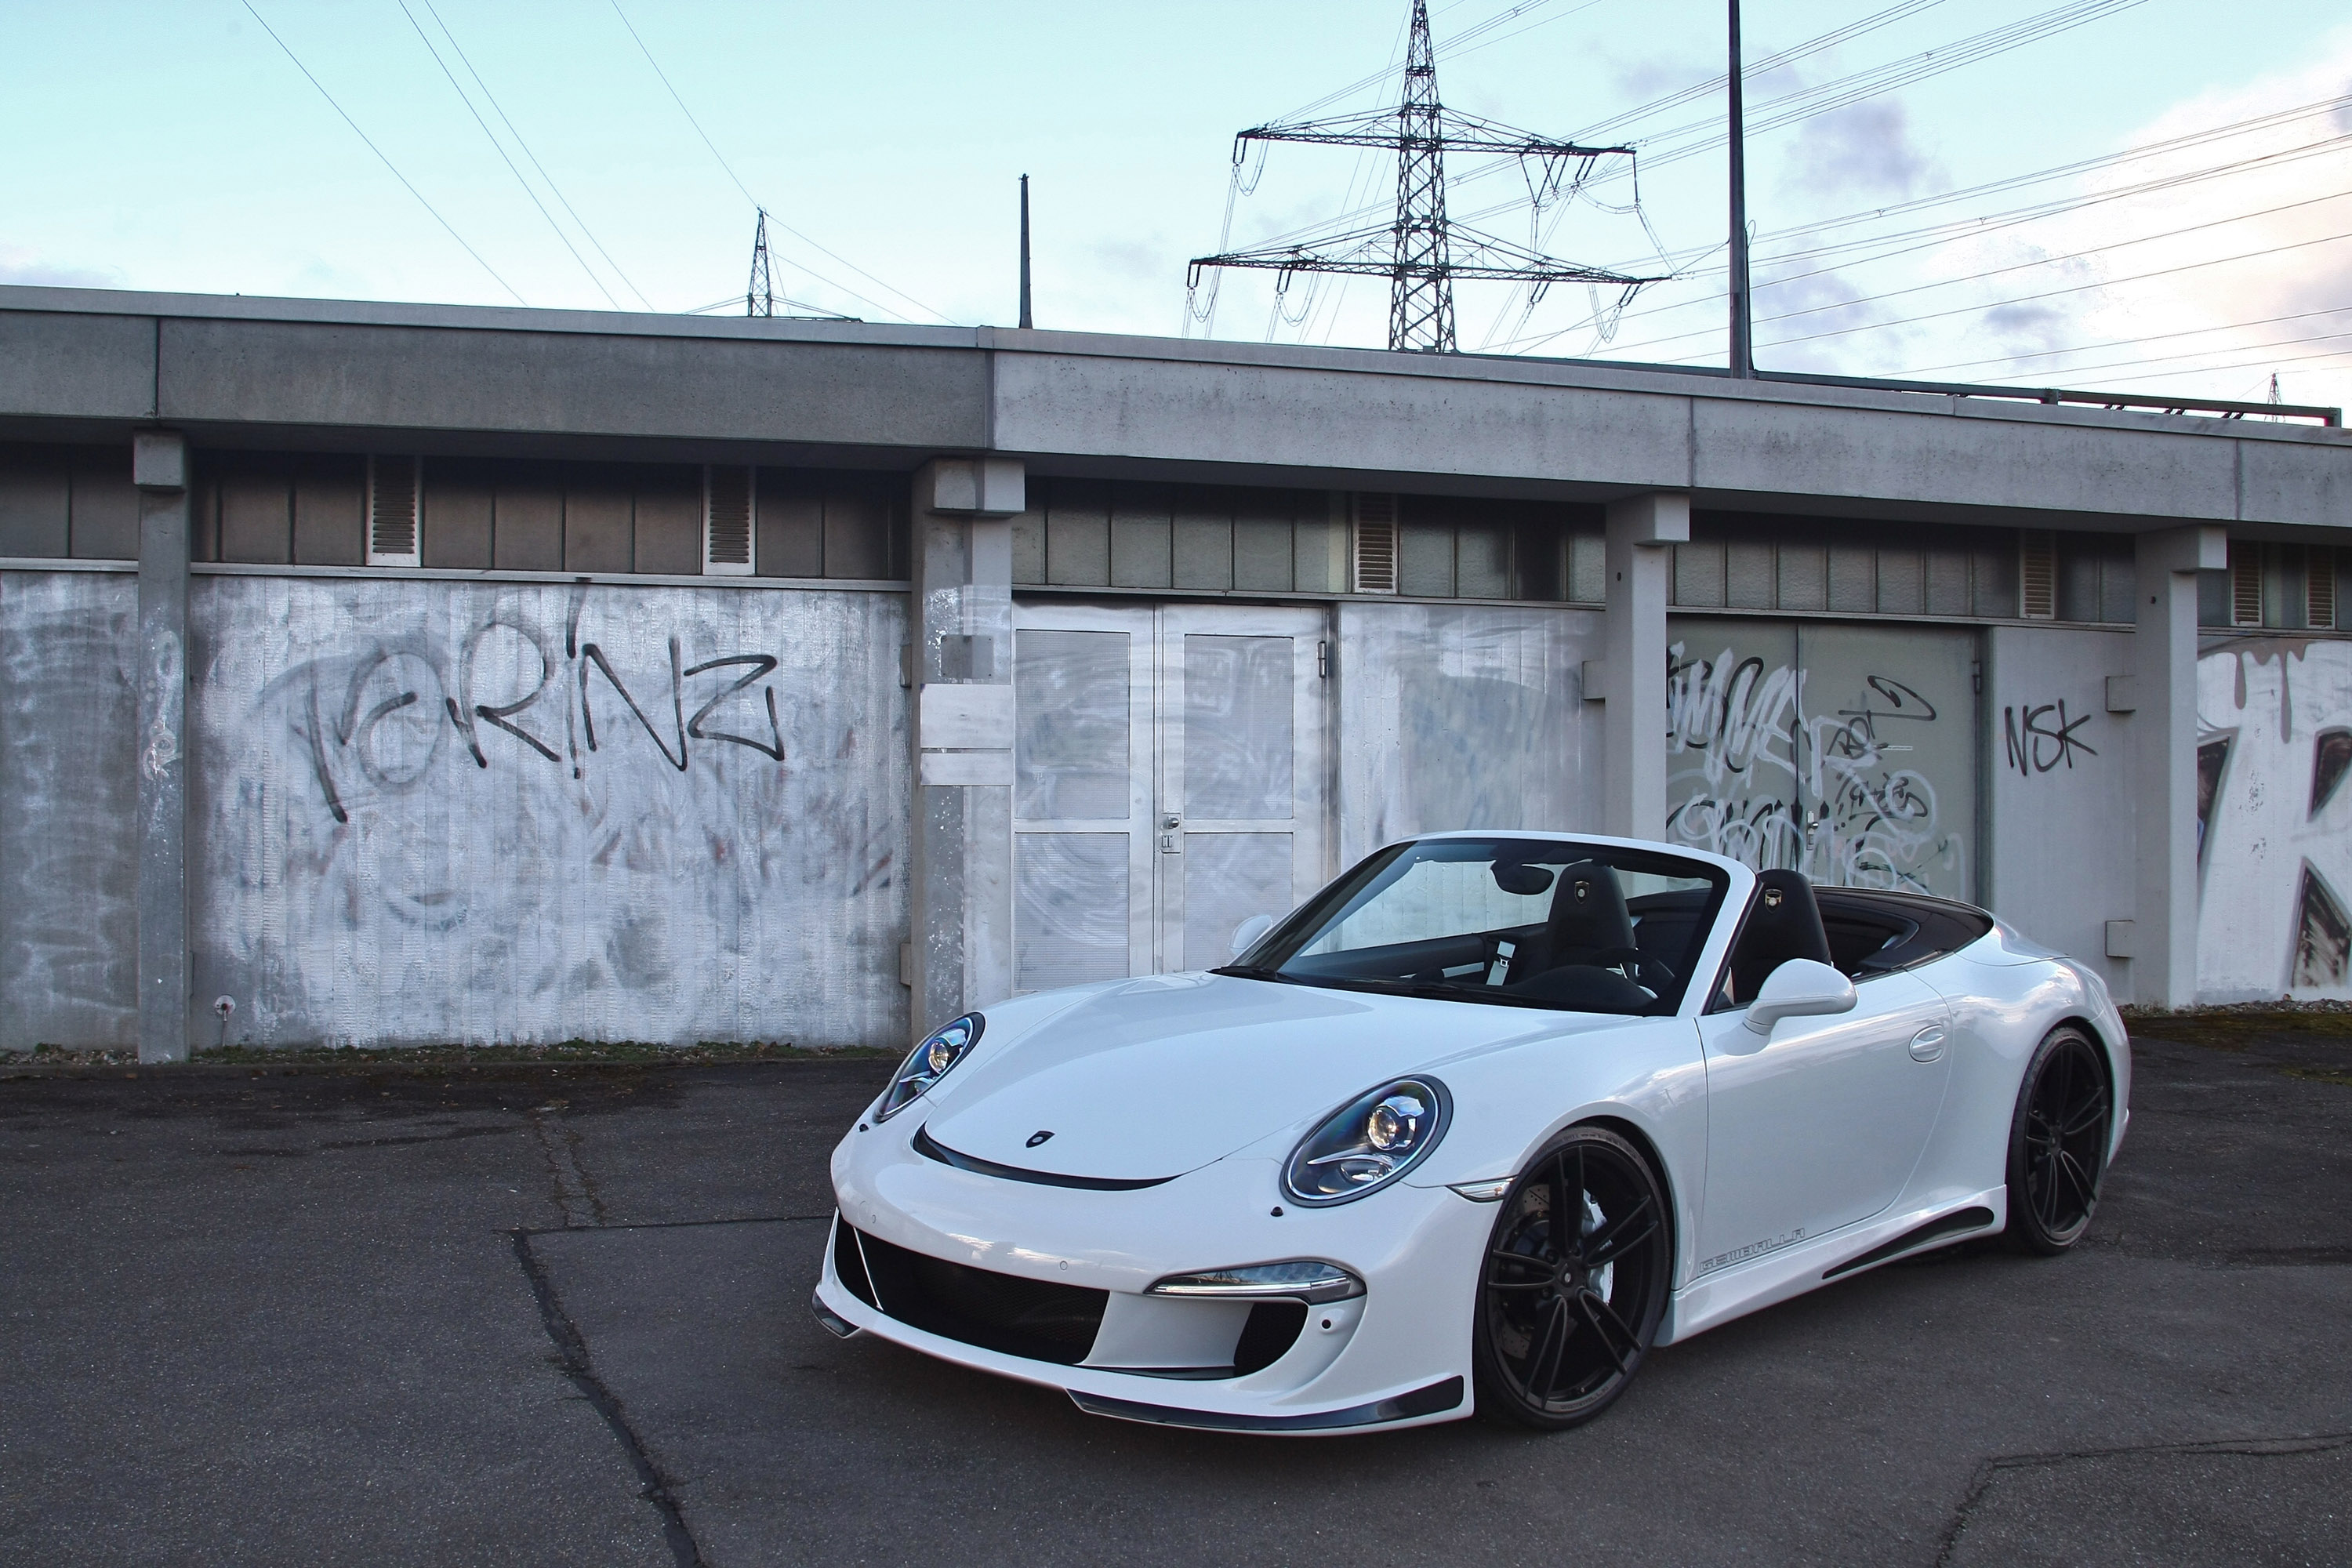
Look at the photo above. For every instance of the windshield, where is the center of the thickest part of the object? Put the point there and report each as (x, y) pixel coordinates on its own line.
(1529, 922)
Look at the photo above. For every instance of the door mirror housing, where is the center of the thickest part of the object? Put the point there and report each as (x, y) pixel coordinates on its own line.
(1800, 988)
(1247, 934)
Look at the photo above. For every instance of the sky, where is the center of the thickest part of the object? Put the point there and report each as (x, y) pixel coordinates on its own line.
(2146, 195)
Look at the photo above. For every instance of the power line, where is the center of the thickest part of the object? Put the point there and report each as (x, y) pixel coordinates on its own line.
(2051, 293)
(426, 40)
(747, 196)
(2124, 344)
(1962, 225)
(2017, 266)
(512, 131)
(2193, 353)
(372, 147)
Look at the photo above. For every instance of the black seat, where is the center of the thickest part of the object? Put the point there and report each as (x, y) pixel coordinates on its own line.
(1589, 921)
(1784, 921)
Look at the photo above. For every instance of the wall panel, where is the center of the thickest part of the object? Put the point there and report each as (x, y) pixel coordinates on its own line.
(471, 812)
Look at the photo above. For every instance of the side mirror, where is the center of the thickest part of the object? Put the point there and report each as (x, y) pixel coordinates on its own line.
(1800, 988)
(1247, 935)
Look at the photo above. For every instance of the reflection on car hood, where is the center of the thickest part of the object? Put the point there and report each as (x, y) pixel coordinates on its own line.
(1155, 1078)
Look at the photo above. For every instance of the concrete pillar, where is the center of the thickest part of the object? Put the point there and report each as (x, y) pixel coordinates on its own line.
(960, 621)
(1633, 670)
(2164, 934)
(159, 467)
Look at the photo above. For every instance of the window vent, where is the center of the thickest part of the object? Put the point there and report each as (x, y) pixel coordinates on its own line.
(2037, 575)
(2246, 585)
(2321, 593)
(1376, 544)
(392, 487)
(727, 497)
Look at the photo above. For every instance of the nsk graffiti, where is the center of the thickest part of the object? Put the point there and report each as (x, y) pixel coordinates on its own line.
(380, 713)
(2044, 738)
(1775, 786)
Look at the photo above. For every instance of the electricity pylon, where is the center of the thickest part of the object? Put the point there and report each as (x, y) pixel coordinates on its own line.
(760, 298)
(1421, 252)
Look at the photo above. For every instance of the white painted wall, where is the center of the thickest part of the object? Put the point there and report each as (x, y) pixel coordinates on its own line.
(1465, 716)
(2060, 864)
(370, 866)
(2271, 700)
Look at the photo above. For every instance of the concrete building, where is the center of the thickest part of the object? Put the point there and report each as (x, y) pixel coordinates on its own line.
(396, 673)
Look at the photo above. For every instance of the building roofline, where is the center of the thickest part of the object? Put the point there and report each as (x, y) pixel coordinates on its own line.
(2179, 414)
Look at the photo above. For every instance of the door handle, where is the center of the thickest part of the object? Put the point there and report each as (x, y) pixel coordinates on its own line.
(1927, 1043)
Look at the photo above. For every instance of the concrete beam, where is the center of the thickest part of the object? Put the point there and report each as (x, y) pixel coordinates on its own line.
(2163, 938)
(159, 467)
(961, 622)
(1634, 667)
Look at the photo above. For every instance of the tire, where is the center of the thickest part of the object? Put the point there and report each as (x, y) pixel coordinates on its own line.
(2058, 1141)
(1559, 1333)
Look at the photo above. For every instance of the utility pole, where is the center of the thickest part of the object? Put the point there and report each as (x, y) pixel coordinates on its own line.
(1422, 253)
(760, 298)
(1027, 319)
(1743, 334)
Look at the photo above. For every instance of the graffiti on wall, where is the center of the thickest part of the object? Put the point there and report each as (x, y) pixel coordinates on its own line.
(1758, 776)
(378, 713)
(2274, 818)
(516, 812)
(2040, 738)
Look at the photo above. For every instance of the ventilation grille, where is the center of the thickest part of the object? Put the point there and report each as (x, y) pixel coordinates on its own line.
(1376, 544)
(2246, 585)
(2321, 594)
(2037, 575)
(727, 521)
(393, 486)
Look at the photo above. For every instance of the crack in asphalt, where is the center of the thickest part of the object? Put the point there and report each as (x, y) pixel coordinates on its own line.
(572, 1356)
(332, 1144)
(2250, 1448)
(577, 1198)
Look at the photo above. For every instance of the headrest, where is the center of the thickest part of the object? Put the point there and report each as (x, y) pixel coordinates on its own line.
(1588, 912)
(1784, 921)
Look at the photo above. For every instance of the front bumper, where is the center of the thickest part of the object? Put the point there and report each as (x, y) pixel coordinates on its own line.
(1399, 1355)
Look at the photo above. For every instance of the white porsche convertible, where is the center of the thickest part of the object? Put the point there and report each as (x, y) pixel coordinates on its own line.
(1475, 1129)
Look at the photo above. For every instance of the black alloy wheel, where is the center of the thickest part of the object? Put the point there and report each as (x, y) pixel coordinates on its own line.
(2058, 1142)
(1574, 1282)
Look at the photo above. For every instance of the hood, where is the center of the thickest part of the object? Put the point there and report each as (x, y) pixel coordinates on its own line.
(1155, 1078)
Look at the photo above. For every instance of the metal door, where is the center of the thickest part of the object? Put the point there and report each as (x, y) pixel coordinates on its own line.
(1848, 753)
(1168, 783)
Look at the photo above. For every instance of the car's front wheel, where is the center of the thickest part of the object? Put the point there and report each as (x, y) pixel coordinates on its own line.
(1574, 1281)
(2058, 1142)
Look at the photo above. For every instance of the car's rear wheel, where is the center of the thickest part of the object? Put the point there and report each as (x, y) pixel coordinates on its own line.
(1573, 1283)
(2058, 1142)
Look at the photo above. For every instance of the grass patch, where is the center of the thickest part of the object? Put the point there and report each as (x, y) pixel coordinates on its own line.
(2240, 1024)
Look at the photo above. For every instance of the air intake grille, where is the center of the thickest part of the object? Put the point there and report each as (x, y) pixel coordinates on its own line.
(2037, 575)
(727, 497)
(2246, 585)
(1035, 1318)
(393, 486)
(2321, 594)
(1376, 544)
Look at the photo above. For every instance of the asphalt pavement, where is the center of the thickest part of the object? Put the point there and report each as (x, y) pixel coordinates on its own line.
(530, 1314)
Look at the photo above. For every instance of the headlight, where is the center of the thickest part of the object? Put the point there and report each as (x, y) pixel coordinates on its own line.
(929, 1062)
(1368, 1142)
(1300, 1281)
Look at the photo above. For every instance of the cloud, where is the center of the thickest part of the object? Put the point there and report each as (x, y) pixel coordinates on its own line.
(18, 265)
(1860, 153)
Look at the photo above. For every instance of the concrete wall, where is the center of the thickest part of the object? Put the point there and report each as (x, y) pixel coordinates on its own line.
(432, 812)
(69, 938)
(2059, 861)
(1465, 716)
(2275, 861)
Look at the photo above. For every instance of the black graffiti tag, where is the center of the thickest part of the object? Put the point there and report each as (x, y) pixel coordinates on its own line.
(2036, 743)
